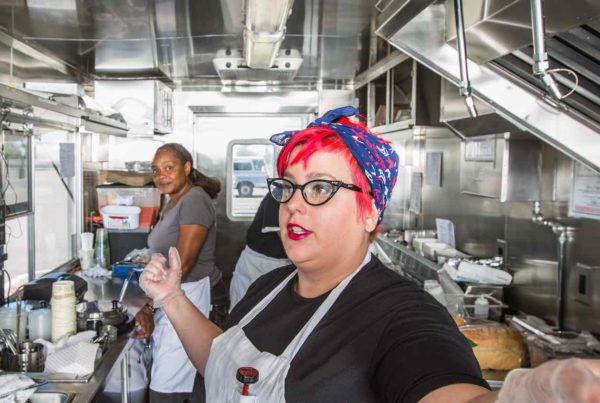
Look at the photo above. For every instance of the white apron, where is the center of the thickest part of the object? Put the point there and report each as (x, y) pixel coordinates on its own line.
(233, 350)
(172, 370)
(250, 266)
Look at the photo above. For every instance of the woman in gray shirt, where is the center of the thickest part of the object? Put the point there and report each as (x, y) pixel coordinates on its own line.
(187, 222)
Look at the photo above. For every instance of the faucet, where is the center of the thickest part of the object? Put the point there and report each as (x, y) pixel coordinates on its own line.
(562, 237)
(127, 280)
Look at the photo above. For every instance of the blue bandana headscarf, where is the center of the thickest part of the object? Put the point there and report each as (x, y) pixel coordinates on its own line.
(377, 159)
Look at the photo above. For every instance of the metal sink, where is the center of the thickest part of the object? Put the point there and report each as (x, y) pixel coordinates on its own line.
(50, 397)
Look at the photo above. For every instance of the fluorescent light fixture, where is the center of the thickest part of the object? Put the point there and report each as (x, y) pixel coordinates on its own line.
(264, 30)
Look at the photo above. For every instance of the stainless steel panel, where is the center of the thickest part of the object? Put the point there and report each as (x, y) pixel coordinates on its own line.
(522, 170)
(497, 27)
(397, 13)
(482, 178)
(479, 221)
(19, 61)
(531, 251)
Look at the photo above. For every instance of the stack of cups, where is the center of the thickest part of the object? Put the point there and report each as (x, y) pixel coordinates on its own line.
(102, 250)
(86, 253)
(64, 320)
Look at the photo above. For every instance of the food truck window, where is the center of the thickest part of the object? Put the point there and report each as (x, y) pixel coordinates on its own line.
(251, 164)
(54, 204)
(220, 137)
(17, 248)
(16, 177)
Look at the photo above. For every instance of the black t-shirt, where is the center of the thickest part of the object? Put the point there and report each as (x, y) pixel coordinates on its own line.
(262, 234)
(384, 339)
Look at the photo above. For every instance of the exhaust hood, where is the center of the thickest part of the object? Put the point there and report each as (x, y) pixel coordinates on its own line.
(454, 114)
(522, 104)
(498, 27)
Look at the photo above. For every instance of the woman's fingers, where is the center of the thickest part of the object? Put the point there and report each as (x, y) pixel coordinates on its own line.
(574, 381)
(155, 271)
(158, 257)
(144, 324)
(174, 262)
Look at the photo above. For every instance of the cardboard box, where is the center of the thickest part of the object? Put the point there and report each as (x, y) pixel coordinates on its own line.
(125, 177)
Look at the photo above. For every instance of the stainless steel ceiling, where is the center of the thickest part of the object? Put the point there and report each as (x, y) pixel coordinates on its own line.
(179, 38)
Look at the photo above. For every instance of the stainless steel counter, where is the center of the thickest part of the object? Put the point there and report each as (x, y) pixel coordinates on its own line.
(102, 290)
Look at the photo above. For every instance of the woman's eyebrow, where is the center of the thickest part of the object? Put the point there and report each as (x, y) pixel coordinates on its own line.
(319, 175)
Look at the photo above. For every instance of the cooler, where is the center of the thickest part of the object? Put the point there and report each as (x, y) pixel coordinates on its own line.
(147, 198)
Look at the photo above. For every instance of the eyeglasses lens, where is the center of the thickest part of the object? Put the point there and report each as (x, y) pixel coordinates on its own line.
(318, 192)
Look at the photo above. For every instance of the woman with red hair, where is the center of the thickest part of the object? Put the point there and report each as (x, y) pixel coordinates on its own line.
(336, 325)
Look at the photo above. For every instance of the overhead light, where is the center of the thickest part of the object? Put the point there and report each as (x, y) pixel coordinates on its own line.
(264, 30)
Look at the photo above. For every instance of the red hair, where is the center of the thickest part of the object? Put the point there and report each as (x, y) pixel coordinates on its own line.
(322, 138)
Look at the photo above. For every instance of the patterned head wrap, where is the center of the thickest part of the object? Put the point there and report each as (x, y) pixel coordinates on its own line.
(376, 158)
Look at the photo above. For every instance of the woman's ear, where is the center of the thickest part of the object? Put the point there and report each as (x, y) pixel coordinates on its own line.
(187, 167)
(371, 218)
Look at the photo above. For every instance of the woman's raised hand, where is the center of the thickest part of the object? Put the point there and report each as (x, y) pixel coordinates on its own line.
(565, 381)
(159, 282)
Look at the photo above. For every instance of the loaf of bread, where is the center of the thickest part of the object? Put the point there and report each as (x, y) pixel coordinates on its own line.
(496, 346)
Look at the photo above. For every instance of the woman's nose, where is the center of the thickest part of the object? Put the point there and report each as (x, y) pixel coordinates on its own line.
(297, 202)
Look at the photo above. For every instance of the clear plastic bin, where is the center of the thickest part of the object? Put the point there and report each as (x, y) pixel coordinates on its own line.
(146, 198)
(573, 344)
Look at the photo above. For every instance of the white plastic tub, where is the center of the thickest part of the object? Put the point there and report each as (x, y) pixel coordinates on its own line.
(121, 217)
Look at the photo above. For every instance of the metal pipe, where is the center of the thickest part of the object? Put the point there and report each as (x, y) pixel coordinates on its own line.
(132, 271)
(125, 378)
(461, 44)
(562, 242)
(540, 56)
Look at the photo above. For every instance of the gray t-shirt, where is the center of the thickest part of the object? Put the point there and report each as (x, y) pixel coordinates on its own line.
(195, 207)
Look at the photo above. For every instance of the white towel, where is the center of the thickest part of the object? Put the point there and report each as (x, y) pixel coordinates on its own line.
(13, 382)
(77, 359)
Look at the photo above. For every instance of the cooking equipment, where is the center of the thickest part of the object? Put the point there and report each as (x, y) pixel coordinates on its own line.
(29, 358)
(8, 340)
(106, 312)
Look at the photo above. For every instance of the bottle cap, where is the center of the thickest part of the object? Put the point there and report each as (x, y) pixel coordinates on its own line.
(247, 375)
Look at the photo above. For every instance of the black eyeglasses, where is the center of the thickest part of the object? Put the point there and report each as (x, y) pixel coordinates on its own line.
(315, 192)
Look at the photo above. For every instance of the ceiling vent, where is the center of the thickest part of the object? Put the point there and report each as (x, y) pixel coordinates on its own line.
(231, 66)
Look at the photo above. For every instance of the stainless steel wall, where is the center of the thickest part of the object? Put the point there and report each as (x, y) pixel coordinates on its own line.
(531, 252)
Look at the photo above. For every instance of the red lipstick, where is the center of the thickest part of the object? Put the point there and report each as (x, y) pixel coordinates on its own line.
(296, 232)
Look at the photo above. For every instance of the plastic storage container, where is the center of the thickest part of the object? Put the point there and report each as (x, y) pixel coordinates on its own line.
(121, 217)
(40, 324)
(8, 319)
(123, 269)
(146, 198)
(482, 308)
